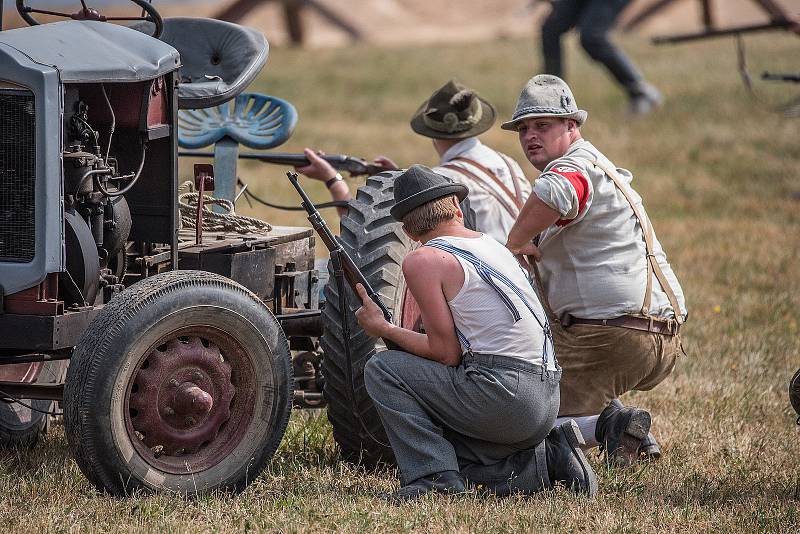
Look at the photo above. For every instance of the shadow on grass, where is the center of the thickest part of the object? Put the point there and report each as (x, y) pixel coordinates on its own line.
(728, 481)
(50, 454)
(308, 444)
(700, 489)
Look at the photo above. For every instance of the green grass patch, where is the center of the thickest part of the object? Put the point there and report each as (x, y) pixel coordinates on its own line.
(719, 174)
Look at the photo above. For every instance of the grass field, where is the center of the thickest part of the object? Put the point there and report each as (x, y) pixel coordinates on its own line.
(719, 174)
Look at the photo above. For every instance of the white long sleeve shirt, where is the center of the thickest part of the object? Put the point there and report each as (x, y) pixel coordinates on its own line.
(492, 218)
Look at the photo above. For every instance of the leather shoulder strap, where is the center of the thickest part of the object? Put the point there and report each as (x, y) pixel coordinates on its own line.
(514, 198)
(649, 234)
(515, 178)
(510, 208)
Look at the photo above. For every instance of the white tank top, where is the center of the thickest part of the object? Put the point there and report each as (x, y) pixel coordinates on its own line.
(484, 319)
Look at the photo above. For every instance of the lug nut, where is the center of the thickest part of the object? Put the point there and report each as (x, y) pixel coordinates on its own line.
(169, 411)
(189, 420)
(173, 383)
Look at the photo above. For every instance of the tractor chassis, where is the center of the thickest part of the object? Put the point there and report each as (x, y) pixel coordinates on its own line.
(278, 268)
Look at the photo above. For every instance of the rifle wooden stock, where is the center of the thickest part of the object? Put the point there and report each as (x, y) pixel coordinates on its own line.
(341, 162)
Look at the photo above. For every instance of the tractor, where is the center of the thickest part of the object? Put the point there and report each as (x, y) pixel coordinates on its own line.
(176, 351)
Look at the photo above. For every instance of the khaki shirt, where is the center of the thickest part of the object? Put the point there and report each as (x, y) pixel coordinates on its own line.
(593, 259)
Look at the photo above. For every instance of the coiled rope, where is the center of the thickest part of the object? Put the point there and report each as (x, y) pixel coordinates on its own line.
(213, 221)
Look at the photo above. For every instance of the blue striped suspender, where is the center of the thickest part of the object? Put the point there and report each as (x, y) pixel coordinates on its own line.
(488, 274)
(463, 340)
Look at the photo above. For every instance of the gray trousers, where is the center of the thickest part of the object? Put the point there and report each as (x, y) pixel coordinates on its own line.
(594, 19)
(486, 418)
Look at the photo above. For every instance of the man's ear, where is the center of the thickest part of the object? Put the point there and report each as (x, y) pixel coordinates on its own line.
(572, 125)
(459, 213)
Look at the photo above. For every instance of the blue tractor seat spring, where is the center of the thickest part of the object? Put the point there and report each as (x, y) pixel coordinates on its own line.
(254, 120)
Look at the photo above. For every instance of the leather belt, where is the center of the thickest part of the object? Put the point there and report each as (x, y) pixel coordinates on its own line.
(669, 327)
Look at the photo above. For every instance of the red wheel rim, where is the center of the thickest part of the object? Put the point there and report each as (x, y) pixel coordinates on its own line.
(190, 400)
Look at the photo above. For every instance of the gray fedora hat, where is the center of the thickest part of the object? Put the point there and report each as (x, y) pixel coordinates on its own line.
(545, 96)
(419, 185)
(453, 112)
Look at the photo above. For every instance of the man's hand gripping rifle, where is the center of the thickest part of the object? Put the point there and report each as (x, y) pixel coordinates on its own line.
(344, 266)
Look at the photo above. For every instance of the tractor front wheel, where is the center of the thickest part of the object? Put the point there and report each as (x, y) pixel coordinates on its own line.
(182, 383)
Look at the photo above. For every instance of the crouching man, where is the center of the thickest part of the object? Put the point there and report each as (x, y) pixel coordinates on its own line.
(604, 277)
(475, 397)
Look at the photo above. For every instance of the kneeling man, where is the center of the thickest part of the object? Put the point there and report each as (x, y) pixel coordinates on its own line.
(475, 397)
(604, 277)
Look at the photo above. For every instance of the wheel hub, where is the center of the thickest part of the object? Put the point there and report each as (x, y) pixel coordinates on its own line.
(181, 396)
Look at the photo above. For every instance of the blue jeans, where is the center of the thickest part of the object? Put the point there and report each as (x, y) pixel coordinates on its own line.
(594, 19)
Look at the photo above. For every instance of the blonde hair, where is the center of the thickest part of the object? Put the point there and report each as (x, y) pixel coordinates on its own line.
(425, 218)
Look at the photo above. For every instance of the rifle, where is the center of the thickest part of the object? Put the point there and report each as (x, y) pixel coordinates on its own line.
(341, 259)
(353, 165)
(781, 77)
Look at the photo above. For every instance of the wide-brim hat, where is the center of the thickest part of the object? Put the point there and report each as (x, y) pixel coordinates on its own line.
(545, 96)
(453, 112)
(419, 185)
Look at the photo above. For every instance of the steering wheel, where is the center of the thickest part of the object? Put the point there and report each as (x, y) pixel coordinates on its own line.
(90, 13)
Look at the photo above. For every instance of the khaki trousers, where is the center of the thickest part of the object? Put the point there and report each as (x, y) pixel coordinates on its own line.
(600, 363)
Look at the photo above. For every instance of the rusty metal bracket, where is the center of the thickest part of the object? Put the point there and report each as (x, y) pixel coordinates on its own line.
(203, 181)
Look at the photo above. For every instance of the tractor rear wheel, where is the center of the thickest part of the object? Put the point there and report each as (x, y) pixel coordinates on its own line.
(183, 383)
(20, 425)
(377, 245)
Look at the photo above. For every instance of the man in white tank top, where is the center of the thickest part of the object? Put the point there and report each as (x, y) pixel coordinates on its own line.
(615, 302)
(475, 397)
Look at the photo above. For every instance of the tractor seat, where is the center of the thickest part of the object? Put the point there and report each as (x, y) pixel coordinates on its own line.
(219, 59)
(253, 120)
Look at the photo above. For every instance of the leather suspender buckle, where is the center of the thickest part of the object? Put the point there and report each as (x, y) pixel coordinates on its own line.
(672, 326)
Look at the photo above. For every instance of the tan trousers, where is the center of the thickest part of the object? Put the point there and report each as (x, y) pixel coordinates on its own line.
(600, 363)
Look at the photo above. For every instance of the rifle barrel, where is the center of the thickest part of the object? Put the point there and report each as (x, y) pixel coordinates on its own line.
(351, 164)
(307, 204)
(781, 77)
(351, 271)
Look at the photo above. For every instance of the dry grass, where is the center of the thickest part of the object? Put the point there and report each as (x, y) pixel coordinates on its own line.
(719, 174)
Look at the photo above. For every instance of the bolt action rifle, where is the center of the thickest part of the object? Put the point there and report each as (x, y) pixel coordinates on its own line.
(353, 165)
(345, 269)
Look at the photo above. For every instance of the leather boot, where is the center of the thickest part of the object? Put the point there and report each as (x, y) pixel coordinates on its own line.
(620, 432)
(566, 462)
(446, 482)
(649, 450)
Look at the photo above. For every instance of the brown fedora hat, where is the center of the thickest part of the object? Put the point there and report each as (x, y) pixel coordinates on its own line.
(453, 112)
